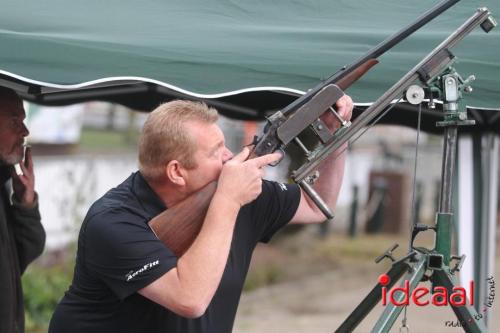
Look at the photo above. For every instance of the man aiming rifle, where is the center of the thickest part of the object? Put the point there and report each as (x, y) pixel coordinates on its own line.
(129, 276)
(127, 280)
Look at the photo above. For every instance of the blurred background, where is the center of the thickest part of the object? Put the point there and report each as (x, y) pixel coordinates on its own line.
(306, 278)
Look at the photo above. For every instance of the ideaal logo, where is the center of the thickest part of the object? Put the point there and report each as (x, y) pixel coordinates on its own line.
(487, 304)
(439, 297)
(419, 296)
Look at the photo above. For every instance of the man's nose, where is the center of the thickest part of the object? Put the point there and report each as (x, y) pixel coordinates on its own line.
(227, 155)
(24, 130)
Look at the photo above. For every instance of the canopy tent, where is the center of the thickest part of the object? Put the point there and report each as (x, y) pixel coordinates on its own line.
(248, 58)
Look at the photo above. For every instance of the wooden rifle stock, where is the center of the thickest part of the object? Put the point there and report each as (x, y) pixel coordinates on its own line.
(178, 226)
(353, 76)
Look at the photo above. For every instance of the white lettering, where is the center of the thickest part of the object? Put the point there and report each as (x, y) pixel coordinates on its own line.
(130, 275)
(282, 186)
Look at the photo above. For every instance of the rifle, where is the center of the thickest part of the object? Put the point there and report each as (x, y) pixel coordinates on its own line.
(283, 127)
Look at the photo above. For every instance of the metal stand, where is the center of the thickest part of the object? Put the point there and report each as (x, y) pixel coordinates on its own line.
(423, 264)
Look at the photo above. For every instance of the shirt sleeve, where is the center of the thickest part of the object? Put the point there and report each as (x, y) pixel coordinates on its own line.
(122, 251)
(28, 232)
(274, 208)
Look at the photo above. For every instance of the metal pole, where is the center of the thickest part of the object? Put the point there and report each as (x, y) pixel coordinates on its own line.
(487, 222)
(444, 218)
(354, 211)
(447, 169)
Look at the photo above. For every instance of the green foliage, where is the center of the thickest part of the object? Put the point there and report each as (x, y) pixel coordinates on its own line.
(43, 288)
(262, 276)
(94, 140)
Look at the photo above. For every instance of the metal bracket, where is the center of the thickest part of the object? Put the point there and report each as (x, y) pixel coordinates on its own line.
(435, 261)
(308, 113)
(434, 66)
(459, 261)
(321, 130)
(387, 254)
(417, 228)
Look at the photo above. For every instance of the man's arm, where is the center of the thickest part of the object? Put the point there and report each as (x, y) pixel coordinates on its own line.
(28, 232)
(331, 173)
(188, 288)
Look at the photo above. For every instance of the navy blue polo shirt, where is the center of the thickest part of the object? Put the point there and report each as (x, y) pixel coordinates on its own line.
(118, 255)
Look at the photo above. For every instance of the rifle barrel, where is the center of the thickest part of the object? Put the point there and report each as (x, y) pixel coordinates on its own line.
(374, 53)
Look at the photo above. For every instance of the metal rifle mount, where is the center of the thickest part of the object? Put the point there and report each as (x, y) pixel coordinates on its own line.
(437, 76)
(284, 126)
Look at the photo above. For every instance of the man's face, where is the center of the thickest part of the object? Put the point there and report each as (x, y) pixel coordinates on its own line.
(209, 157)
(12, 131)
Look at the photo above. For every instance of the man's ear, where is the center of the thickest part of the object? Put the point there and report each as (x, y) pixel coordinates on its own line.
(175, 173)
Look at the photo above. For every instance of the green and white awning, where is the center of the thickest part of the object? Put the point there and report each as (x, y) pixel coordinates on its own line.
(253, 55)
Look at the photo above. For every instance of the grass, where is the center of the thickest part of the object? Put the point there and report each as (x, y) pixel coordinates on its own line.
(95, 140)
(263, 276)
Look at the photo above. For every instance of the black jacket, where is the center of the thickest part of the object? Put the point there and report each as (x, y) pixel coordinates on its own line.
(22, 239)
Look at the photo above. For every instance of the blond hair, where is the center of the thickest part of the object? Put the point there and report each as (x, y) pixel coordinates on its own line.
(164, 137)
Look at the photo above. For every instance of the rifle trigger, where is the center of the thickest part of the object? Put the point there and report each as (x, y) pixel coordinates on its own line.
(254, 142)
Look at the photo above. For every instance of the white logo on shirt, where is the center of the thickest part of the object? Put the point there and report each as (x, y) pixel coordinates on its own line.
(130, 275)
(282, 186)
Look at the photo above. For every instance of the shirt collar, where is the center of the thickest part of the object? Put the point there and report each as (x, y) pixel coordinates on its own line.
(148, 199)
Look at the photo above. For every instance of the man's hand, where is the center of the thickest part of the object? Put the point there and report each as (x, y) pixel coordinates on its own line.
(344, 108)
(24, 184)
(241, 179)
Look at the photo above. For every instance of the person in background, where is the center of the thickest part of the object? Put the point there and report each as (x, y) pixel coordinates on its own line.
(22, 237)
(127, 280)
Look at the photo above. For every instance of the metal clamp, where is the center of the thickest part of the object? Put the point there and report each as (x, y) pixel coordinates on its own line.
(459, 261)
(387, 254)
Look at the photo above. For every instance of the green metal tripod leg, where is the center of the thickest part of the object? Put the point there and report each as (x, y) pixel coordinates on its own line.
(466, 314)
(391, 312)
(363, 309)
